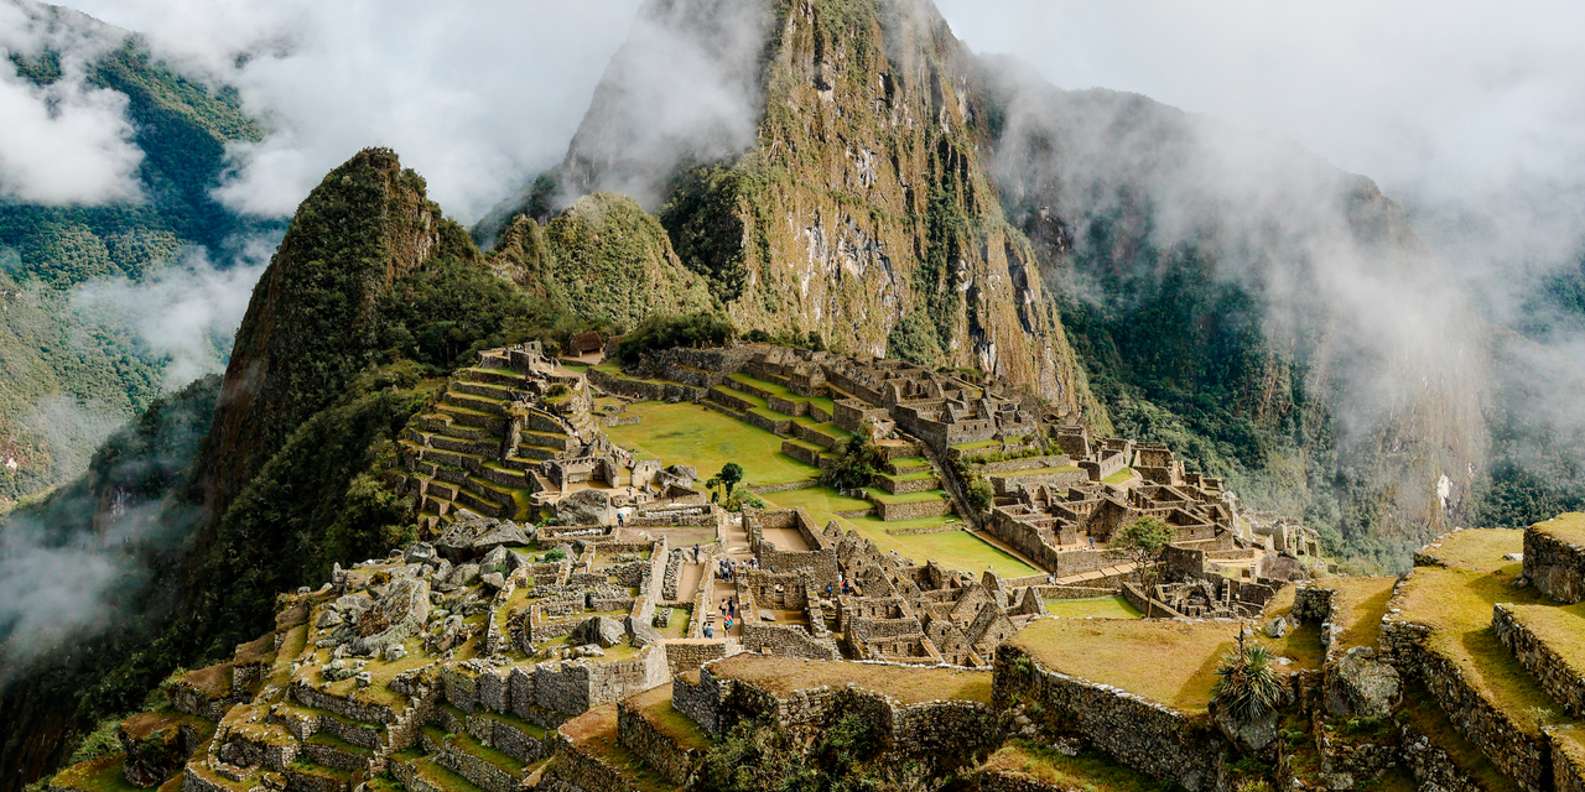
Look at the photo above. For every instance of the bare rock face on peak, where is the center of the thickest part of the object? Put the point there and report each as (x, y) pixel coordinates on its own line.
(841, 192)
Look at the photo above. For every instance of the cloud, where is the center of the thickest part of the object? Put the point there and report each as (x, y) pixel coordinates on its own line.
(1471, 117)
(185, 314)
(478, 97)
(683, 89)
(68, 142)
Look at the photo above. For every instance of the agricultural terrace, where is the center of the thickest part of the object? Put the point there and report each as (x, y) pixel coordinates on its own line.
(1185, 654)
(907, 685)
(1456, 601)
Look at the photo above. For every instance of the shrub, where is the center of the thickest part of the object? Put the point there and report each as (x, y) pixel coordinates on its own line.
(857, 466)
(667, 332)
(1247, 687)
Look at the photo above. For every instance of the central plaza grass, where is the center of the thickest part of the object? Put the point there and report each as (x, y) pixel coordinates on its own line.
(691, 434)
(1112, 607)
(953, 549)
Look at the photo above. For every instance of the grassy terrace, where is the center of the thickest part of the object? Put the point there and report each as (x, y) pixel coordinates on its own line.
(1358, 607)
(882, 496)
(786, 675)
(1422, 713)
(1456, 603)
(98, 775)
(655, 706)
(695, 435)
(1108, 651)
(1569, 527)
(1086, 771)
(1113, 607)
(595, 731)
(1561, 628)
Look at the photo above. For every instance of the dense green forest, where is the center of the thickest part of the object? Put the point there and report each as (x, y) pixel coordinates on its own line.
(69, 377)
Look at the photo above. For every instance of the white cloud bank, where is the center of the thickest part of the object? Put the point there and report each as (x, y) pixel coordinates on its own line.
(67, 143)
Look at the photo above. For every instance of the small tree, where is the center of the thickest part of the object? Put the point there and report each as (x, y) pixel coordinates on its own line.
(857, 465)
(731, 473)
(980, 494)
(1143, 540)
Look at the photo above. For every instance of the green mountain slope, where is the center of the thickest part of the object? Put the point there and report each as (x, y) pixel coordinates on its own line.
(53, 353)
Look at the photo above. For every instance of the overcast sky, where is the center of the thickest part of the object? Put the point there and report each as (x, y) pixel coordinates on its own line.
(1438, 101)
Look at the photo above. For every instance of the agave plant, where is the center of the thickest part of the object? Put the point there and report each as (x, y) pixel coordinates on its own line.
(1247, 687)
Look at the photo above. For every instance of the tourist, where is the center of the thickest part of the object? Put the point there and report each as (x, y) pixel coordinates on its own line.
(709, 630)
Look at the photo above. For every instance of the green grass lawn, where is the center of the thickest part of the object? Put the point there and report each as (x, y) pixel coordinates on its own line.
(1120, 477)
(1113, 607)
(882, 496)
(953, 549)
(691, 434)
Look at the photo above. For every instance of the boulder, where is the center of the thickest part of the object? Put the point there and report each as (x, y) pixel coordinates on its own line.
(471, 534)
(496, 561)
(1278, 627)
(600, 630)
(587, 507)
(1360, 685)
(1250, 737)
(493, 580)
(645, 634)
(419, 553)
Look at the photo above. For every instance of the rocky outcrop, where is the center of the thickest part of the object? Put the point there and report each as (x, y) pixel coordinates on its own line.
(309, 327)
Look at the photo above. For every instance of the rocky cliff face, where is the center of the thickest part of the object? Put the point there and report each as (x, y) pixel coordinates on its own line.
(859, 208)
(310, 325)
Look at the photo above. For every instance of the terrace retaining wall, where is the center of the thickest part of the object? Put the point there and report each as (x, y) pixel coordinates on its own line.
(1542, 661)
(1520, 756)
(1555, 567)
(1146, 736)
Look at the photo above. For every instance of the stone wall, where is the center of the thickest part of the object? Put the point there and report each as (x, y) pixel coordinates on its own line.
(572, 686)
(643, 390)
(913, 510)
(1431, 766)
(1141, 734)
(818, 562)
(1568, 760)
(658, 751)
(1555, 567)
(683, 657)
(1542, 661)
(698, 695)
(1520, 755)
